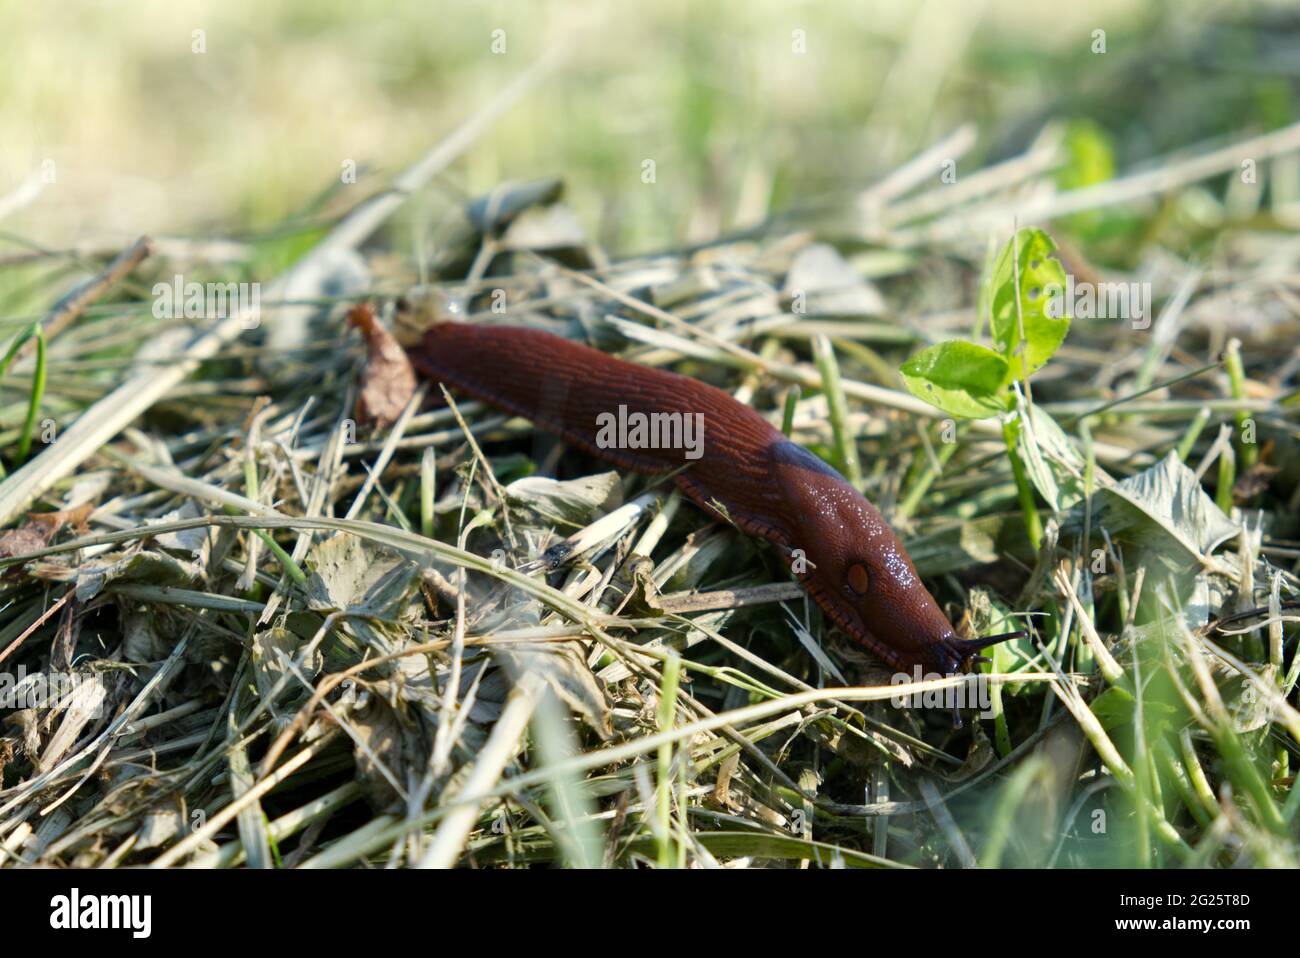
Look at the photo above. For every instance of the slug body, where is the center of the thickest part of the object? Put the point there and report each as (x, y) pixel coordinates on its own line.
(835, 541)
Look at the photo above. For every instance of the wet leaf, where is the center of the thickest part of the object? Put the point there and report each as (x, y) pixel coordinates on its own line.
(1116, 710)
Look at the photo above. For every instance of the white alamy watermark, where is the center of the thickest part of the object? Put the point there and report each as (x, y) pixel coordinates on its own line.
(657, 430)
(46, 690)
(1106, 300)
(193, 300)
(75, 910)
(974, 692)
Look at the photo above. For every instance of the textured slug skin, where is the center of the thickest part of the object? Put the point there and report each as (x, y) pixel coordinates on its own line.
(763, 482)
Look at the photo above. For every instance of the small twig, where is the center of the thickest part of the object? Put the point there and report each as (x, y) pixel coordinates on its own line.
(37, 624)
(72, 305)
(731, 598)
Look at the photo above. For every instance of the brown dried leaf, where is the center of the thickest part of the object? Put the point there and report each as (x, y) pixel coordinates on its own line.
(388, 381)
(1252, 482)
(25, 539)
(41, 528)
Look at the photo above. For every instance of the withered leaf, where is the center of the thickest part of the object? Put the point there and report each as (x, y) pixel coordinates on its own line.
(564, 667)
(388, 381)
(41, 529)
(25, 539)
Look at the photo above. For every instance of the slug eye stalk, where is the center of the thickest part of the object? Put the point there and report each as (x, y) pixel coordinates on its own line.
(964, 651)
(968, 647)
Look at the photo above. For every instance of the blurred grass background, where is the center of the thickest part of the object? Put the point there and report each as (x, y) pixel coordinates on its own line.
(148, 136)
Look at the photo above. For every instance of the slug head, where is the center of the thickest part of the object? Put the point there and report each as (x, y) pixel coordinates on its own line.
(859, 572)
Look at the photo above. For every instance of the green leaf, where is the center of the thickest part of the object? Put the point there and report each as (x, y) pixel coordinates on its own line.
(1040, 275)
(1089, 158)
(17, 344)
(1114, 708)
(961, 378)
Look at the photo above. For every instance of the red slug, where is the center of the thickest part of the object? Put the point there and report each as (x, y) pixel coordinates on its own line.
(836, 542)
